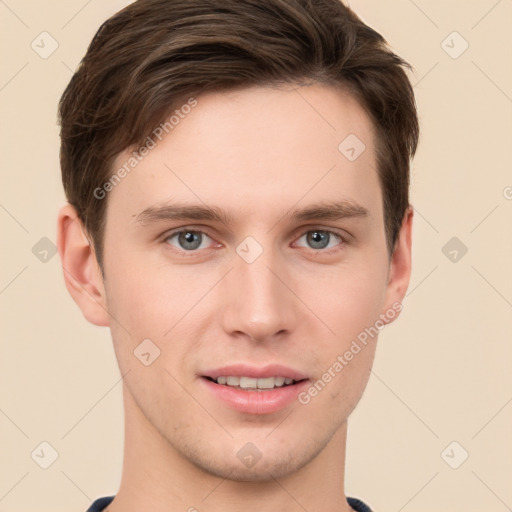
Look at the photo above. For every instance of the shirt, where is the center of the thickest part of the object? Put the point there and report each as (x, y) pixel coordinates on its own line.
(101, 503)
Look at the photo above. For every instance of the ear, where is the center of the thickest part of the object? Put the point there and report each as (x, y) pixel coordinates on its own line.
(399, 270)
(82, 273)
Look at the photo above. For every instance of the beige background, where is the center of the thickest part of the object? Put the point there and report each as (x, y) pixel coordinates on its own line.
(442, 372)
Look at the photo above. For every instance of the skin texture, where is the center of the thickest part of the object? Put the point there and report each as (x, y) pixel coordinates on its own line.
(258, 154)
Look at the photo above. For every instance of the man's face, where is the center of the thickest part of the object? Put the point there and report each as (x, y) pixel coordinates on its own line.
(261, 287)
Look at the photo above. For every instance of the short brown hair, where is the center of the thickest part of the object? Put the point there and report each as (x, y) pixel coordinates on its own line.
(150, 56)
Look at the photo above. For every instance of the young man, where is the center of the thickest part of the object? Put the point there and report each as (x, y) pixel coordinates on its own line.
(237, 175)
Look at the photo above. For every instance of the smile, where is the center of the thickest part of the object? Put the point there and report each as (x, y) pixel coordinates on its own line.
(252, 383)
(251, 390)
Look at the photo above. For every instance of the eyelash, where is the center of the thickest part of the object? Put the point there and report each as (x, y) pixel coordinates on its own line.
(343, 239)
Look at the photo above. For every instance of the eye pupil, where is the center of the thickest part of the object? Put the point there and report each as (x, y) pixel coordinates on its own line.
(319, 239)
(189, 240)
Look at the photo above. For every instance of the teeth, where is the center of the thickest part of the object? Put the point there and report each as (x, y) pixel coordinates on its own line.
(254, 383)
(248, 383)
(267, 383)
(233, 381)
(279, 381)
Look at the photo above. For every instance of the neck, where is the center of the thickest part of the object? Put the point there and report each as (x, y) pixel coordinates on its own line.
(157, 477)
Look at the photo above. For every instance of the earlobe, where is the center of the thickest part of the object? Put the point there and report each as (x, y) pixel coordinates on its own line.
(400, 268)
(82, 274)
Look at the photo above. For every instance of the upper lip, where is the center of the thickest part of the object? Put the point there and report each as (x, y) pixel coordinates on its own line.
(246, 370)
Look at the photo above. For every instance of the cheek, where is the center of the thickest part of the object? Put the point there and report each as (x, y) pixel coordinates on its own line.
(140, 311)
(145, 310)
(349, 299)
(143, 297)
(157, 303)
(349, 302)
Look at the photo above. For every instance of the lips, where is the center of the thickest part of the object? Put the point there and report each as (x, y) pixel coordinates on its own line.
(254, 390)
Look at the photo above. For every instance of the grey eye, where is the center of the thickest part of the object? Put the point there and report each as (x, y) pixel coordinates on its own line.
(318, 239)
(321, 239)
(188, 240)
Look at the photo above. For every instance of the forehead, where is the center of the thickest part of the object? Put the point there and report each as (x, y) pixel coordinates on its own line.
(258, 150)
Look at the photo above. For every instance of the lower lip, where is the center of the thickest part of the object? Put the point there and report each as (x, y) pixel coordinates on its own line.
(255, 402)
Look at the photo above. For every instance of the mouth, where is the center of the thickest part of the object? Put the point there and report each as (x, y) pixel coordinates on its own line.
(254, 390)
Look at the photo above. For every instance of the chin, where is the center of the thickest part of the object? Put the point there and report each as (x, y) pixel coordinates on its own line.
(259, 473)
(274, 465)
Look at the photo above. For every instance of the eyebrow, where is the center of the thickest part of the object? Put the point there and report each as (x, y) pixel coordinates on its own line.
(332, 210)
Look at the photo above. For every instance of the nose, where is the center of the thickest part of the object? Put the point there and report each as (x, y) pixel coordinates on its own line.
(257, 301)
